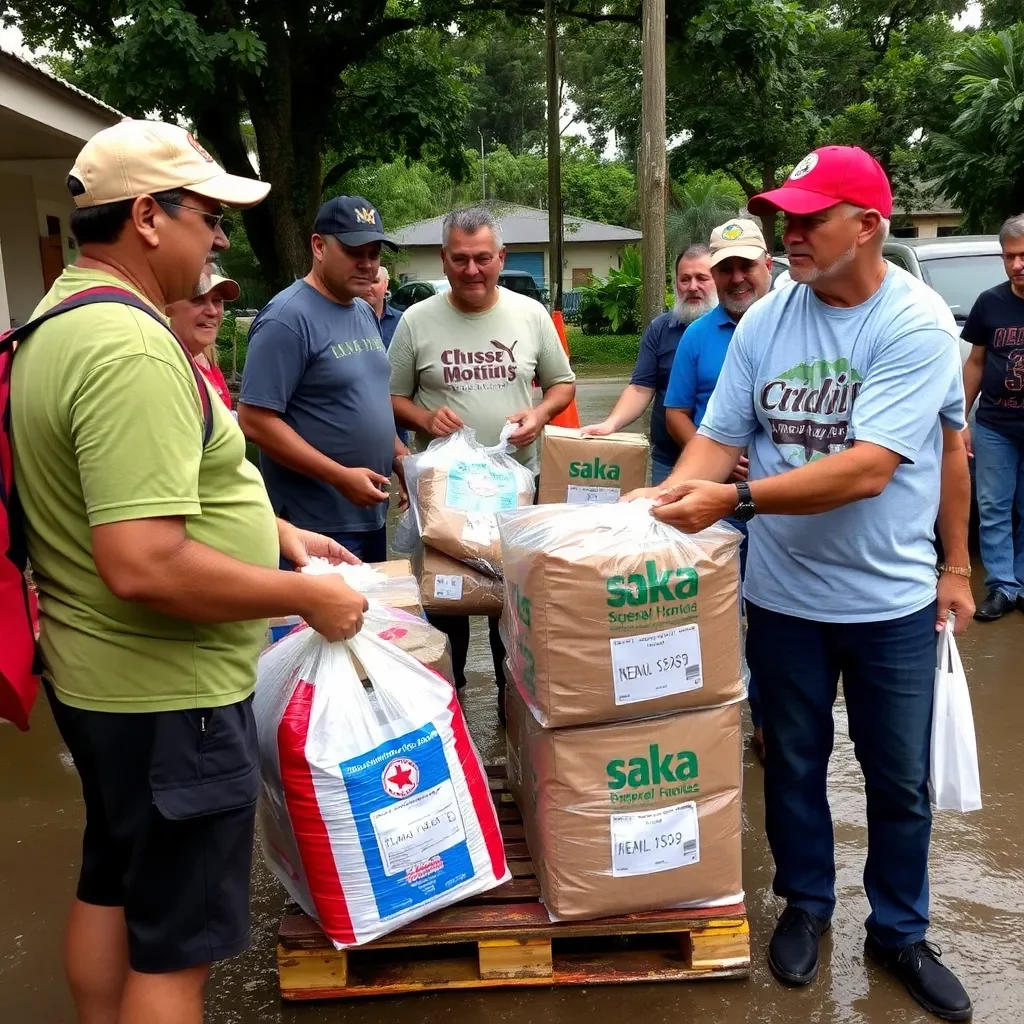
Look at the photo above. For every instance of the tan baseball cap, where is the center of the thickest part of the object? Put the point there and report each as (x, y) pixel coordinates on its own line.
(741, 238)
(137, 158)
(228, 288)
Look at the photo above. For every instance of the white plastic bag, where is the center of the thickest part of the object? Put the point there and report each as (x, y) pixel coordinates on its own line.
(456, 489)
(955, 784)
(374, 805)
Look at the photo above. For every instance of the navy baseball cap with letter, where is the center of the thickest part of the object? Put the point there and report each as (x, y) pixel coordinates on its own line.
(353, 220)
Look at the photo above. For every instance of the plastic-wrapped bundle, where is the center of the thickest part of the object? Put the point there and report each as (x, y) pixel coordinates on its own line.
(456, 490)
(374, 806)
(632, 816)
(611, 614)
(454, 588)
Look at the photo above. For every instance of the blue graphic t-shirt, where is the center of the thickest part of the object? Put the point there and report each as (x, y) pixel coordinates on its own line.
(803, 380)
(324, 368)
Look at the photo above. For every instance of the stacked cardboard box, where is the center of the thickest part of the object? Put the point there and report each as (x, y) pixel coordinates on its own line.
(450, 587)
(624, 747)
(578, 470)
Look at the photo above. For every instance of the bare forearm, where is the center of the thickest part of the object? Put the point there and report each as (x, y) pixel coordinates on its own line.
(630, 406)
(556, 399)
(272, 435)
(198, 583)
(704, 459)
(680, 426)
(826, 484)
(973, 373)
(409, 414)
(955, 506)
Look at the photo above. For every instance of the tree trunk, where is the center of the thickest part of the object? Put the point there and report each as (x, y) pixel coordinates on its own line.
(554, 160)
(653, 171)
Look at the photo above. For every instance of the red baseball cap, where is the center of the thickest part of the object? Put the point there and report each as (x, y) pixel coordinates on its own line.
(830, 175)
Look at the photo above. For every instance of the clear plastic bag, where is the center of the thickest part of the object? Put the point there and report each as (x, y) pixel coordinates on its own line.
(374, 806)
(955, 782)
(457, 487)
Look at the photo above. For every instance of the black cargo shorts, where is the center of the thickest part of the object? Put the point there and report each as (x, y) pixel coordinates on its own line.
(170, 806)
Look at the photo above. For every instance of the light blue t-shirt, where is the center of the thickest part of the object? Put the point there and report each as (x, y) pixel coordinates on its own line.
(803, 380)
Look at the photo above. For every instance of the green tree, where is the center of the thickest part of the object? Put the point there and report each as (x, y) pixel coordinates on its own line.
(980, 161)
(700, 204)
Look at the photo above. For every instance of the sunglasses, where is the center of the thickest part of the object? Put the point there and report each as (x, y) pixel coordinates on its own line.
(212, 219)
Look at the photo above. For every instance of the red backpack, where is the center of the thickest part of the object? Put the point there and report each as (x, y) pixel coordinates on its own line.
(20, 663)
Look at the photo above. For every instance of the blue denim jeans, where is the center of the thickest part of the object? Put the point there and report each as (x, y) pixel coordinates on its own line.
(888, 671)
(999, 480)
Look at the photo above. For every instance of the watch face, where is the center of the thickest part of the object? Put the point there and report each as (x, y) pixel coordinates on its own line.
(745, 511)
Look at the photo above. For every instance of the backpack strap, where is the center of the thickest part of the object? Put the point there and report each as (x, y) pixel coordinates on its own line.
(109, 293)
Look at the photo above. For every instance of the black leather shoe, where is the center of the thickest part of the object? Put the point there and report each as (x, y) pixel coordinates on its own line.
(793, 951)
(931, 983)
(995, 606)
(1020, 602)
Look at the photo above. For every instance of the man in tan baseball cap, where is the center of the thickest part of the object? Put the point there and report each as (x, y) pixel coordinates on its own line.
(155, 550)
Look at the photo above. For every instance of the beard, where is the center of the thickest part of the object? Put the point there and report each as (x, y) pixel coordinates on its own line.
(685, 313)
(811, 275)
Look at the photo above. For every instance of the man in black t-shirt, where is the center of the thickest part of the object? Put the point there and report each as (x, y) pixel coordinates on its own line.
(995, 369)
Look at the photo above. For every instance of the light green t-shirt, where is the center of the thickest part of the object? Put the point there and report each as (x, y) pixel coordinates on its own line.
(481, 365)
(107, 426)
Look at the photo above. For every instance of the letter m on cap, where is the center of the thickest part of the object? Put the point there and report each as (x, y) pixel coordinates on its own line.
(366, 215)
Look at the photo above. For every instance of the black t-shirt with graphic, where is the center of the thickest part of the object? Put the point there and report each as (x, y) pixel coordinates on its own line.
(997, 322)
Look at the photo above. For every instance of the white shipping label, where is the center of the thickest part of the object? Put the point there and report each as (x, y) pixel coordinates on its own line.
(420, 827)
(448, 588)
(656, 664)
(481, 528)
(577, 494)
(649, 841)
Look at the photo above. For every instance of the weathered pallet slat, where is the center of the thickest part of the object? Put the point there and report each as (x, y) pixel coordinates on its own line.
(505, 938)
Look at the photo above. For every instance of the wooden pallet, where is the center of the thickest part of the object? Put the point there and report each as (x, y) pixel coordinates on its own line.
(504, 938)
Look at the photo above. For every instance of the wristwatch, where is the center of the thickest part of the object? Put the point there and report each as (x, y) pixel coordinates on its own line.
(745, 509)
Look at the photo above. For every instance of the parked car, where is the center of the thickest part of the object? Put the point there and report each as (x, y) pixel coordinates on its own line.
(959, 268)
(411, 292)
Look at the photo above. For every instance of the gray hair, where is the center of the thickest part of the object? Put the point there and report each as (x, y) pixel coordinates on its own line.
(697, 251)
(1013, 227)
(470, 220)
(885, 226)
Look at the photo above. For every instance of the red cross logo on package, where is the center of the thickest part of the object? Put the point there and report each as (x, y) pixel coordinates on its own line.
(400, 778)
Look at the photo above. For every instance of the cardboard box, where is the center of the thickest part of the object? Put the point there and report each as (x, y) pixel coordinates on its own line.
(449, 587)
(634, 816)
(612, 615)
(577, 470)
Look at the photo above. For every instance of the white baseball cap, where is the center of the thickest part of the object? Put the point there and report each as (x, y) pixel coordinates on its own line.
(137, 158)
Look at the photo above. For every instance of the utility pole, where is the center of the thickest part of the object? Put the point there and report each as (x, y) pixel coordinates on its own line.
(483, 167)
(554, 160)
(653, 173)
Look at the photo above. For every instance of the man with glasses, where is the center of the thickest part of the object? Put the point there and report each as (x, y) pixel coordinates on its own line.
(155, 552)
(469, 357)
(315, 394)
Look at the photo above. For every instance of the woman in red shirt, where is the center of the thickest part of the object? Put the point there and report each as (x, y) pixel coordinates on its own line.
(196, 322)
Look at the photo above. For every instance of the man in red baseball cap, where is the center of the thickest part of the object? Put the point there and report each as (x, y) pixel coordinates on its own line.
(845, 391)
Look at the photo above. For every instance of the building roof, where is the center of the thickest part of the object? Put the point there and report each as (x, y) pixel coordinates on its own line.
(19, 65)
(521, 225)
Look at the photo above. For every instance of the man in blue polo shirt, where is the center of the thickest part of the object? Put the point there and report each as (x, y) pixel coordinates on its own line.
(741, 268)
(695, 295)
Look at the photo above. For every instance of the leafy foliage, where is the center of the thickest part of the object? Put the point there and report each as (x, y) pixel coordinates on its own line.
(980, 161)
(701, 203)
(619, 296)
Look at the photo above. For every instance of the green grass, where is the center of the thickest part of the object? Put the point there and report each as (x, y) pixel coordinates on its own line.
(602, 349)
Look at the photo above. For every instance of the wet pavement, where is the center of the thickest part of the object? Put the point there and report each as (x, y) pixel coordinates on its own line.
(977, 877)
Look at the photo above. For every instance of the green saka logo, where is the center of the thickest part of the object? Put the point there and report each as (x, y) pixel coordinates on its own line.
(596, 470)
(654, 586)
(653, 770)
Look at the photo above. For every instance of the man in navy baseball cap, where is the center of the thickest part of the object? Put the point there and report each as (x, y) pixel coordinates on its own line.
(353, 221)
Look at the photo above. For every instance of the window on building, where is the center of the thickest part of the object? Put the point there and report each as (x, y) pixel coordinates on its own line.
(904, 232)
(581, 276)
(949, 231)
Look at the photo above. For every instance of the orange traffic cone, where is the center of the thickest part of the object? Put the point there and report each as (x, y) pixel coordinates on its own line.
(570, 415)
